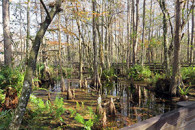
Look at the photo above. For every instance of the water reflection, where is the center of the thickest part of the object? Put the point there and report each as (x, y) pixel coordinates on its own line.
(137, 103)
(134, 102)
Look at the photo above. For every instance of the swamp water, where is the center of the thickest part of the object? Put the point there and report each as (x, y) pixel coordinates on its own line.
(133, 104)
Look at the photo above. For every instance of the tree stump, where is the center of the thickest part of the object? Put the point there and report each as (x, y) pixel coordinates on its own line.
(62, 84)
(112, 109)
(104, 119)
(69, 94)
(99, 109)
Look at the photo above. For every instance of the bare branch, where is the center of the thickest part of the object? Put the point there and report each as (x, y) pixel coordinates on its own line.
(45, 9)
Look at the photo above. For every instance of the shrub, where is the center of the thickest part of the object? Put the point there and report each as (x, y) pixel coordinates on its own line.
(139, 72)
(109, 74)
(188, 73)
(40, 107)
(87, 123)
(67, 72)
(11, 78)
(5, 119)
(183, 91)
(2, 96)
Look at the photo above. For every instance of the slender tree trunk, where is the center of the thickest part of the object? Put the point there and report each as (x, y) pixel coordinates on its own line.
(128, 32)
(28, 29)
(80, 54)
(31, 67)
(62, 83)
(166, 58)
(6, 34)
(143, 33)
(176, 64)
(21, 29)
(149, 35)
(96, 78)
(188, 30)
(192, 36)
(133, 33)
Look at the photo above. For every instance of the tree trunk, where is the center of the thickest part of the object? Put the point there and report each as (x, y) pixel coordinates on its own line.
(133, 33)
(96, 79)
(6, 34)
(143, 33)
(166, 58)
(188, 45)
(192, 36)
(62, 83)
(28, 29)
(128, 32)
(31, 67)
(176, 64)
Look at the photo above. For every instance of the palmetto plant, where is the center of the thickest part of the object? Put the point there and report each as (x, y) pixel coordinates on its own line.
(183, 91)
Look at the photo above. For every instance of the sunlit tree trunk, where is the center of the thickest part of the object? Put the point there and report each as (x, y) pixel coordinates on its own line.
(143, 33)
(62, 83)
(188, 31)
(165, 28)
(31, 67)
(21, 30)
(192, 37)
(133, 33)
(6, 34)
(96, 79)
(28, 29)
(128, 32)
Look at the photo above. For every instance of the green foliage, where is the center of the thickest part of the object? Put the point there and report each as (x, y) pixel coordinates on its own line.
(11, 78)
(188, 73)
(40, 67)
(39, 107)
(183, 91)
(87, 123)
(109, 74)
(2, 96)
(59, 109)
(156, 77)
(5, 119)
(139, 72)
(72, 112)
(67, 72)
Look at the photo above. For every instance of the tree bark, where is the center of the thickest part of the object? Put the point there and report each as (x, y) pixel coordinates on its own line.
(96, 79)
(166, 58)
(31, 67)
(28, 29)
(192, 37)
(176, 64)
(6, 34)
(143, 33)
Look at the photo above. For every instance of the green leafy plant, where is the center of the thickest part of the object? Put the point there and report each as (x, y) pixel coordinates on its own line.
(188, 73)
(87, 123)
(67, 72)
(109, 74)
(72, 112)
(139, 72)
(2, 96)
(59, 109)
(11, 78)
(183, 91)
(5, 119)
